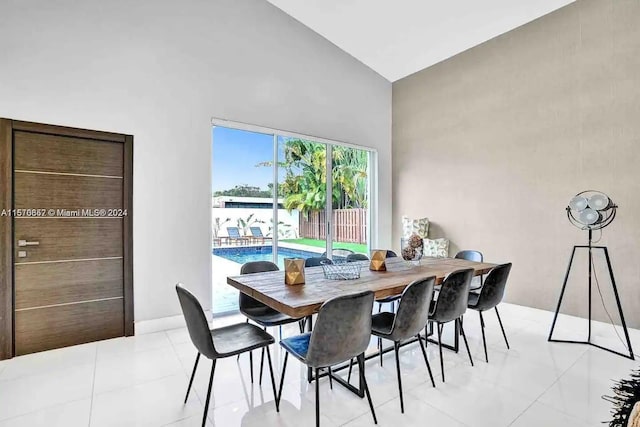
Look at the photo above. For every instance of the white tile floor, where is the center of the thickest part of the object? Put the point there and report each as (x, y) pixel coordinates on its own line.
(141, 381)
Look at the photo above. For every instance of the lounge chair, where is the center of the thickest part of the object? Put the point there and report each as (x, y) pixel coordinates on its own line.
(256, 233)
(234, 235)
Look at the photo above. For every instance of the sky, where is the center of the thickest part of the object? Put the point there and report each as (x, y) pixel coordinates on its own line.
(235, 155)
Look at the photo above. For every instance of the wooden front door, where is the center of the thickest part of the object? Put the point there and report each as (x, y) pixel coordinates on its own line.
(70, 221)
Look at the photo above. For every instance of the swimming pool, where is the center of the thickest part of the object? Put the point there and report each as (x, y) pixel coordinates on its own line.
(261, 253)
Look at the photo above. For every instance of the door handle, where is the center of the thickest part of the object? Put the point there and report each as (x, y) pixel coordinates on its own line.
(26, 243)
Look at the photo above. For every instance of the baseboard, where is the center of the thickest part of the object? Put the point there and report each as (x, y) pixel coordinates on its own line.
(163, 324)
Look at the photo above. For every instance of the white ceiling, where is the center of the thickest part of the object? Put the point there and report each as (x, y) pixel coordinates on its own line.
(399, 37)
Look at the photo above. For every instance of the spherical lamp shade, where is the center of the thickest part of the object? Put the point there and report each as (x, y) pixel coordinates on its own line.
(589, 217)
(578, 203)
(599, 202)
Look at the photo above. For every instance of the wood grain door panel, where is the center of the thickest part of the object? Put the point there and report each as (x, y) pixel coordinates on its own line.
(44, 191)
(39, 285)
(72, 282)
(69, 238)
(63, 154)
(61, 326)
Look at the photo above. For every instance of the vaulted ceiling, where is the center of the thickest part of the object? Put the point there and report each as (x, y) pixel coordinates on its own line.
(399, 37)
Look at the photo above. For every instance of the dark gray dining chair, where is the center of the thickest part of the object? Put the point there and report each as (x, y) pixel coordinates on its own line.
(387, 300)
(475, 256)
(489, 297)
(317, 261)
(451, 305)
(339, 254)
(410, 319)
(342, 332)
(260, 313)
(219, 343)
(357, 257)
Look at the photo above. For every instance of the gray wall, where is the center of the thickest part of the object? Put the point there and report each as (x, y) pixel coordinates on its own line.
(492, 144)
(160, 70)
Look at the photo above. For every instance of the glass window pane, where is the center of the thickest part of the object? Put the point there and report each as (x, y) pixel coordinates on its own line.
(350, 170)
(242, 207)
(302, 186)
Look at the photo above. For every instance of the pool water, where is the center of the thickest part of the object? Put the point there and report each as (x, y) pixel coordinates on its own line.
(261, 253)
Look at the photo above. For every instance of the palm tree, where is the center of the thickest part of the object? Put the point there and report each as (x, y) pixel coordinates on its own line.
(304, 187)
(350, 175)
(305, 184)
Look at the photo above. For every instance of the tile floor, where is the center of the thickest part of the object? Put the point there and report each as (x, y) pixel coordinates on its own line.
(141, 381)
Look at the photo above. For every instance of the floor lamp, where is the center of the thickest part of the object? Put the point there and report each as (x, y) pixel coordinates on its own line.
(592, 210)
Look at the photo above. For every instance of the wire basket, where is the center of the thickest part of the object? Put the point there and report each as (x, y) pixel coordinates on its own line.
(342, 271)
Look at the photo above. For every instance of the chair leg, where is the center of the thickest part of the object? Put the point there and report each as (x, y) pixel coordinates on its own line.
(464, 337)
(363, 381)
(261, 364)
(206, 404)
(502, 327)
(309, 322)
(439, 328)
(426, 360)
(380, 349)
(251, 365)
(484, 339)
(396, 348)
(316, 371)
(350, 369)
(193, 375)
(284, 371)
(273, 380)
(330, 378)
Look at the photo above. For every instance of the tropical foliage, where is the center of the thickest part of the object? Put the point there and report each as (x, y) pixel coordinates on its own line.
(305, 183)
(284, 229)
(244, 190)
(217, 225)
(246, 223)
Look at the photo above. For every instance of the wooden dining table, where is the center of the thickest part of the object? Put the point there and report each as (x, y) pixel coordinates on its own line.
(305, 300)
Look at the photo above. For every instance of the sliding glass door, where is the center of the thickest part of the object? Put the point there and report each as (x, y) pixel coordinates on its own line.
(276, 196)
(242, 207)
(302, 182)
(350, 201)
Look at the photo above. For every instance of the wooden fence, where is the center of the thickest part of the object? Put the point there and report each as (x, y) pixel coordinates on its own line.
(349, 225)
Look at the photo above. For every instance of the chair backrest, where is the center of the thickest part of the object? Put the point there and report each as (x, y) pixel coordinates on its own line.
(256, 231)
(245, 301)
(233, 231)
(316, 261)
(197, 324)
(453, 297)
(493, 289)
(342, 330)
(470, 255)
(339, 254)
(391, 254)
(357, 257)
(413, 310)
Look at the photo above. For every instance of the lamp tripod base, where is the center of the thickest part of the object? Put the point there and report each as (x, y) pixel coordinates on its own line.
(590, 247)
